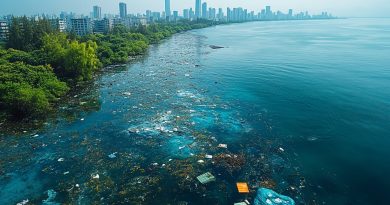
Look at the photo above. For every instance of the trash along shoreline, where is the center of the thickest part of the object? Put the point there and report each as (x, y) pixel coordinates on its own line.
(153, 133)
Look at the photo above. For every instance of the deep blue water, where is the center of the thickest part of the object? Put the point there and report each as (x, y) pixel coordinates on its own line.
(305, 103)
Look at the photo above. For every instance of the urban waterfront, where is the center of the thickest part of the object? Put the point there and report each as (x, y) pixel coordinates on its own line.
(302, 106)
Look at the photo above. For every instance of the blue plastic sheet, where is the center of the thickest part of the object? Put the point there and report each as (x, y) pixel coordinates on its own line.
(269, 197)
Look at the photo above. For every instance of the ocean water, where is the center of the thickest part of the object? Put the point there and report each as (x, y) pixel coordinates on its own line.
(303, 106)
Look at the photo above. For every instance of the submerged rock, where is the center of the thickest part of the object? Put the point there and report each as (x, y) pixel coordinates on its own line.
(269, 197)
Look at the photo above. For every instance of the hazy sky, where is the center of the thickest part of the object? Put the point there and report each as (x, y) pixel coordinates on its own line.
(361, 8)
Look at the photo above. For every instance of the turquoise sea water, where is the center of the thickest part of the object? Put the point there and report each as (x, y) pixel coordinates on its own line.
(304, 107)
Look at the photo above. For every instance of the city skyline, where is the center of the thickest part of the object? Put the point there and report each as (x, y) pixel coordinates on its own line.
(375, 8)
(95, 22)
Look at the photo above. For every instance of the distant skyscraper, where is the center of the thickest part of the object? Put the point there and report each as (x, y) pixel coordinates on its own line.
(229, 14)
(192, 14)
(156, 16)
(211, 13)
(186, 14)
(167, 9)
(148, 14)
(268, 12)
(220, 14)
(204, 10)
(175, 15)
(97, 12)
(268, 9)
(122, 10)
(198, 4)
(290, 13)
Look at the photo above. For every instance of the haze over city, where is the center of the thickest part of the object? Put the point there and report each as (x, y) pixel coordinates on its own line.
(346, 8)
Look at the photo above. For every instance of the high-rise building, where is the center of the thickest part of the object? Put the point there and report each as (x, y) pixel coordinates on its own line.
(175, 15)
(198, 5)
(58, 24)
(229, 14)
(97, 12)
(81, 26)
(167, 9)
(148, 15)
(290, 13)
(220, 14)
(268, 12)
(204, 10)
(211, 13)
(186, 14)
(192, 14)
(102, 26)
(122, 10)
(156, 16)
(4, 30)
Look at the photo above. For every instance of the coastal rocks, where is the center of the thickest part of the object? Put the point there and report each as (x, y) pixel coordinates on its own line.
(270, 197)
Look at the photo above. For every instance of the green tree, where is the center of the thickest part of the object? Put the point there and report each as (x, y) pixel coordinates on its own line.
(28, 34)
(41, 28)
(54, 47)
(15, 39)
(80, 60)
(27, 90)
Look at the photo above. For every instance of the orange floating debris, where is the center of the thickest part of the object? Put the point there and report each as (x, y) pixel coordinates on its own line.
(242, 187)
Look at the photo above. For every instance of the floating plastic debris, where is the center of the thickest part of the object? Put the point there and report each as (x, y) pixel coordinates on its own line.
(127, 93)
(24, 202)
(65, 173)
(182, 147)
(208, 156)
(281, 149)
(206, 178)
(312, 139)
(82, 119)
(270, 197)
(216, 47)
(113, 155)
(51, 195)
(36, 135)
(60, 160)
(242, 187)
(200, 161)
(240, 203)
(95, 176)
(222, 146)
